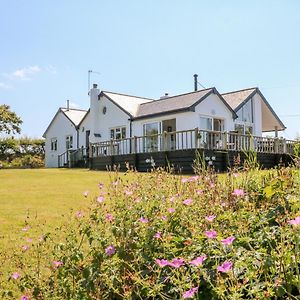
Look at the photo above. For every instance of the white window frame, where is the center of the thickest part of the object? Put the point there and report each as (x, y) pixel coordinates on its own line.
(69, 141)
(146, 146)
(120, 130)
(245, 124)
(212, 118)
(53, 144)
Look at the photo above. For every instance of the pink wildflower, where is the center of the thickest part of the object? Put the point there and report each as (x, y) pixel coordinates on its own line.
(26, 228)
(210, 218)
(187, 201)
(199, 192)
(85, 194)
(143, 220)
(228, 241)
(238, 192)
(176, 263)
(128, 193)
(235, 175)
(184, 180)
(25, 248)
(157, 235)
(162, 262)
(295, 222)
(190, 293)
(171, 210)
(198, 261)
(100, 199)
(225, 267)
(28, 240)
(109, 217)
(101, 185)
(211, 234)
(56, 263)
(79, 214)
(137, 200)
(172, 199)
(110, 250)
(24, 297)
(15, 275)
(164, 218)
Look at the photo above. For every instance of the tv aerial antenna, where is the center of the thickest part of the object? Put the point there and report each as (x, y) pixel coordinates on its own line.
(89, 77)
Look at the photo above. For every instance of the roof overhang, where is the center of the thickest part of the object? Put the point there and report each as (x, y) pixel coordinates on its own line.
(270, 120)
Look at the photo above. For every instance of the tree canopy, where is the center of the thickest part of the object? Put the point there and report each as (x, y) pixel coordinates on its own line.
(9, 121)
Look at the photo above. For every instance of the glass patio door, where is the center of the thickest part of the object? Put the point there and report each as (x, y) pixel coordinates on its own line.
(151, 138)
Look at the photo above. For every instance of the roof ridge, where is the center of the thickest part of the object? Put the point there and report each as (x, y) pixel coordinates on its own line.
(242, 90)
(184, 94)
(70, 108)
(133, 96)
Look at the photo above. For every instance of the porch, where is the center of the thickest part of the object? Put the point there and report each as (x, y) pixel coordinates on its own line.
(179, 147)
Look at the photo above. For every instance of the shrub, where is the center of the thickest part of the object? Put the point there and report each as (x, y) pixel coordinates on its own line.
(167, 237)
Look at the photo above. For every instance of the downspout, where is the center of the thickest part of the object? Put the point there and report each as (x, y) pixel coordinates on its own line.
(130, 135)
(77, 130)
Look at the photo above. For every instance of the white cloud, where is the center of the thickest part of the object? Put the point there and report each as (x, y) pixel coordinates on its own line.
(5, 86)
(25, 73)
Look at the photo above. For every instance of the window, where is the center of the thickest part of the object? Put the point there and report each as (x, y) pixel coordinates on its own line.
(69, 142)
(54, 144)
(243, 128)
(208, 123)
(151, 131)
(245, 113)
(118, 133)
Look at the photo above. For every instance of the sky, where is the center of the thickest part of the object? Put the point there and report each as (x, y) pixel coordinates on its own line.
(146, 48)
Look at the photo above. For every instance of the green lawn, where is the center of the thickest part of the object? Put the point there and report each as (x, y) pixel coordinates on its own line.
(44, 197)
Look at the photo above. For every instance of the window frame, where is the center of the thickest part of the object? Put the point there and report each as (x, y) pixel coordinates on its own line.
(113, 131)
(69, 141)
(212, 122)
(53, 144)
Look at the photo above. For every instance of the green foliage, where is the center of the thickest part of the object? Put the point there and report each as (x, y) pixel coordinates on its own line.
(9, 121)
(22, 153)
(112, 250)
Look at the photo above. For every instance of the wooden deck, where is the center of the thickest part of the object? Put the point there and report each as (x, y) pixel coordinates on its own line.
(178, 149)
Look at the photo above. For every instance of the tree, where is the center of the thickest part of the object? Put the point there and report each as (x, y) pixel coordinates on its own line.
(9, 121)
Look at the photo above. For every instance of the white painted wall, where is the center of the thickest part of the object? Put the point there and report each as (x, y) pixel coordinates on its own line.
(84, 126)
(114, 117)
(60, 128)
(212, 106)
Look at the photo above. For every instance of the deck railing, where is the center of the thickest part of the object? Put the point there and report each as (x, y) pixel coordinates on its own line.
(191, 139)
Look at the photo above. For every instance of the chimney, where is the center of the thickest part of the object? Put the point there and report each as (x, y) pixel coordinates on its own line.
(195, 82)
(166, 95)
(68, 105)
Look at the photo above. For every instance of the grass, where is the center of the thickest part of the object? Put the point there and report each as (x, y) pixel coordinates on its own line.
(43, 195)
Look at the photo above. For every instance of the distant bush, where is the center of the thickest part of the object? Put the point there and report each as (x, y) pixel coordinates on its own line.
(167, 237)
(21, 153)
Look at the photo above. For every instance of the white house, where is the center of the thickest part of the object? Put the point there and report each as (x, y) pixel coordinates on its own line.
(115, 116)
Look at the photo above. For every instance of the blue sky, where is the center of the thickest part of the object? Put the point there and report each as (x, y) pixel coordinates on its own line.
(146, 48)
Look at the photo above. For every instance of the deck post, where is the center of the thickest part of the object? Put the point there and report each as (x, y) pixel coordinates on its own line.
(197, 135)
(134, 144)
(165, 141)
(112, 147)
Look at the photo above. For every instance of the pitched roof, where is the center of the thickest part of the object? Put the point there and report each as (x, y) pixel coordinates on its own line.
(129, 104)
(73, 114)
(174, 103)
(236, 98)
(270, 120)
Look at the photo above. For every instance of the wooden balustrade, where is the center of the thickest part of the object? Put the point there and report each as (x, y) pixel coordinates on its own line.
(191, 139)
